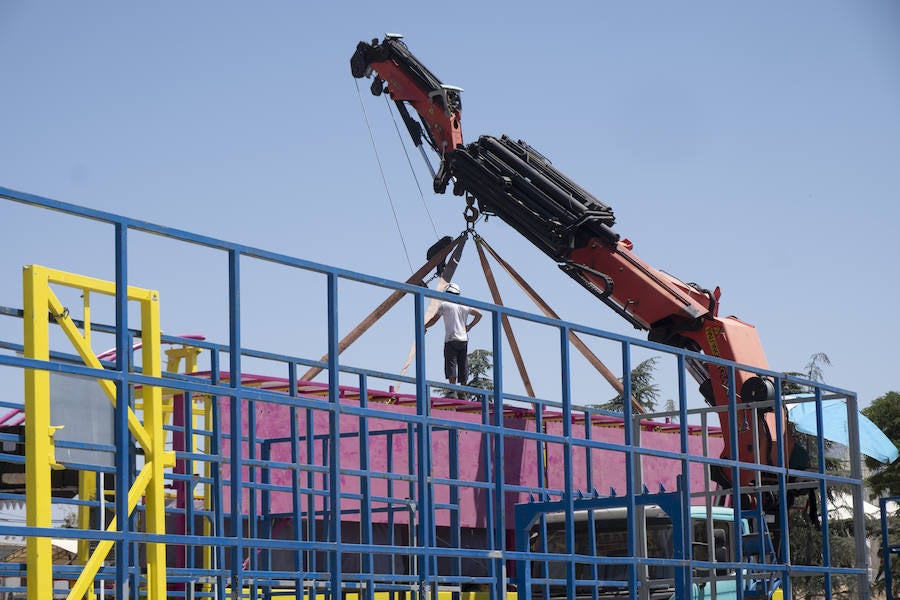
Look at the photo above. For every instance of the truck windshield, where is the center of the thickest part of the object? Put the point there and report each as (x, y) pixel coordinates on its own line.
(610, 539)
(605, 533)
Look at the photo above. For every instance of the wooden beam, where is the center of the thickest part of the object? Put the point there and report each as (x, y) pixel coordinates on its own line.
(507, 327)
(443, 282)
(576, 341)
(389, 303)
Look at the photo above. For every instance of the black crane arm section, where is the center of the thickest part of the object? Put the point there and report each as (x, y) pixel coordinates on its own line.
(406, 80)
(518, 184)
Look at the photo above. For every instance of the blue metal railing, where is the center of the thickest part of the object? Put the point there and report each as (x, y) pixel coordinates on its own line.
(372, 496)
(890, 546)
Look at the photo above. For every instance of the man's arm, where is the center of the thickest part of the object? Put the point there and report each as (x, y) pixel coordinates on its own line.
(476, 316)
(433, 319)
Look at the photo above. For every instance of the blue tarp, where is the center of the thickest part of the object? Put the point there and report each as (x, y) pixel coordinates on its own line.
(872, 441)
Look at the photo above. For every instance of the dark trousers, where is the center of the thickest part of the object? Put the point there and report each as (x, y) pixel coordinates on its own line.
(455, 361)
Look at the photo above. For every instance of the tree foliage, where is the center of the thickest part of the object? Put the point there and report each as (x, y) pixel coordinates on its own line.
(672, 408)
(643, 388)
(813, 371)
(804, 533)
(481, 367)
(480, 373)
(813, 368)
(885, 413)
(805, 539)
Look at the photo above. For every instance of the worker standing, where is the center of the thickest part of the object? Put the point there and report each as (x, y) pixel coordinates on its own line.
(456, 338)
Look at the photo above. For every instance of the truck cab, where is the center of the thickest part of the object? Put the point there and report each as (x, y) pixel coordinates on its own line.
(603, 533)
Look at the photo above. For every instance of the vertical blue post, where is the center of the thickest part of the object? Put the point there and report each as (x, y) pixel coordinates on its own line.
(490, 505)
(134, 553)
(735, 477)
(296, 507)
(823, 491)
(410, 505)
(543, 496)
(856, 473)
(365, 511)
(123, 393)
(264, 529)
(886, 550)
(541, 450)
(219, 499)
(683, 585)
(589, 468)
(569, 492)
(455, 527)
(252, 559)
(312, 528)
(334, 448)
(783, 464)
(499, 450)
(189, 485)
(630, 483)
(392, 540)
(237, 457)
(423, 451)
(252, 508)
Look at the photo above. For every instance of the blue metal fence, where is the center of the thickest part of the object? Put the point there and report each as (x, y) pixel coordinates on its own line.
(357, 494)
(890, 546)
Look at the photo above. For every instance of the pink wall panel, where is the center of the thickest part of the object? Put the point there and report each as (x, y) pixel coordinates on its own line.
(389, 451)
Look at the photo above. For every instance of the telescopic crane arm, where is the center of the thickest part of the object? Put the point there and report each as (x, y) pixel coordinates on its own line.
(395, 71)
(515, 182)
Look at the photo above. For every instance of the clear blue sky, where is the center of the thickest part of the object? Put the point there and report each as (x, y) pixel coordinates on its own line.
(755, 146)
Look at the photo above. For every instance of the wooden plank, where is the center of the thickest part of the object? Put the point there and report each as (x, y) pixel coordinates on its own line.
(443, 282)
(507, 327)
(389, 303)
(576, 341)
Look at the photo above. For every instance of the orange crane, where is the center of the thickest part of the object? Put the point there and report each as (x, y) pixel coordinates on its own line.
(513, 181)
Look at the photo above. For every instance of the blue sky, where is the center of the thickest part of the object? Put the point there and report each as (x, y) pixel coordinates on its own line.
(754, 146)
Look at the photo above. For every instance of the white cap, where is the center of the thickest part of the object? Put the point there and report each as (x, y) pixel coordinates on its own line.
(452, 289)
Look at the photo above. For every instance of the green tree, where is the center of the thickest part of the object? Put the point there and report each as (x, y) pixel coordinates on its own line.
(806, 535)
(885, 413)
(893, 539)
(480, 373)
(643, 388)
(672, 407)
(812, 371)
(481, 367)
(805, 538)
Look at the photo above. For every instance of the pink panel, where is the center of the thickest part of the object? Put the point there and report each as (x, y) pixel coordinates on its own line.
(389, 450)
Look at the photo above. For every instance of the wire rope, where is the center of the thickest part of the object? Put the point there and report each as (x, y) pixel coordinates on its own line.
(411, 168)
(383, 177)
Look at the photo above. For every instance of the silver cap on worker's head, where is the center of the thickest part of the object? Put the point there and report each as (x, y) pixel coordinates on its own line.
(452, 289)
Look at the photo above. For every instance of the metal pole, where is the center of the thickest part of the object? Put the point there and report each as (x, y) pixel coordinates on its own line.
(38, 444)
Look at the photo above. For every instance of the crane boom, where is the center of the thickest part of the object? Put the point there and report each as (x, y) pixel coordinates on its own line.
(512, 180)
(406, 80)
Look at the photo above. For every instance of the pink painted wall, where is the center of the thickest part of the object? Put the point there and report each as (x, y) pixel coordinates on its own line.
(391, 454)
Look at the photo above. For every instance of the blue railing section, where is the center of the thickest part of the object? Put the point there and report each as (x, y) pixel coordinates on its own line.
(890, 546)
(313, 509)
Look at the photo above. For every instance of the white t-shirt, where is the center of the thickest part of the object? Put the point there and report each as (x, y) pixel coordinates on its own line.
(455, 317)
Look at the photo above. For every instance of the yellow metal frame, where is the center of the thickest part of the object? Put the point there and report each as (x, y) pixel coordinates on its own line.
(40, 302)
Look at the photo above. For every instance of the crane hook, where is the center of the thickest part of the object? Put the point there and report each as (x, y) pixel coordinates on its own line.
(470, 213)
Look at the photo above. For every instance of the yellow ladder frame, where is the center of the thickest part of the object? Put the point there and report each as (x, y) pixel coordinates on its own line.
(39, 300)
